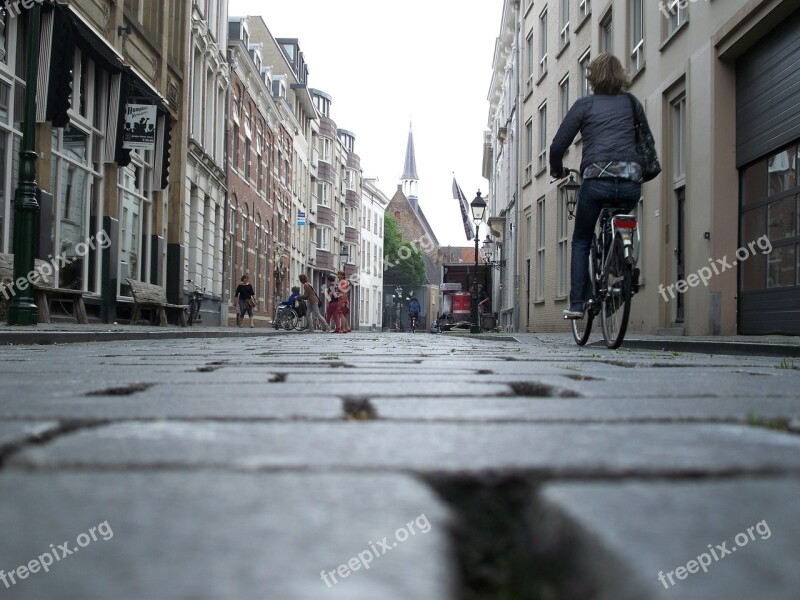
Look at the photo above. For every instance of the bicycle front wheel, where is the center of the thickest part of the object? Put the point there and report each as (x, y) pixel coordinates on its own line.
(617, 299)
(581, 328)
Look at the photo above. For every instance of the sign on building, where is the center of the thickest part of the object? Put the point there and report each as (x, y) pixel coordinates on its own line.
(140, 127)
(301, 218)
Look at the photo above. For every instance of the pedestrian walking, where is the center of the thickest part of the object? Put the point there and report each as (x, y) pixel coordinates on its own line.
(343, 303)
(312, 303)
(332, 310)
(246, 296)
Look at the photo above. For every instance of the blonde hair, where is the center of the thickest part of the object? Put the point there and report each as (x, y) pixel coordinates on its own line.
(607, 76)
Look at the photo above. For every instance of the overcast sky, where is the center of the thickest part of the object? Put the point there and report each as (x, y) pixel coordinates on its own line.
(385, 64)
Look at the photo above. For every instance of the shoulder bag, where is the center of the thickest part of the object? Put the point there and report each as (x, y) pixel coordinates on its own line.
(645, 146)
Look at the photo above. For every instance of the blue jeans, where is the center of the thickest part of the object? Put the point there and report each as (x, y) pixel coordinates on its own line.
(595, 195)
(243, 309)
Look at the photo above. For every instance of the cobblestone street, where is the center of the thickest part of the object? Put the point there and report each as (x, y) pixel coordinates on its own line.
(402, 466)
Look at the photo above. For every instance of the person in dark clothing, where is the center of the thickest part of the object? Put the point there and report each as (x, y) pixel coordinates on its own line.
(483, 299)
(610, 165)
(246, 296)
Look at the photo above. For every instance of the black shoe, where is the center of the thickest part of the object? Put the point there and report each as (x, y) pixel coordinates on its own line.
(635, 280)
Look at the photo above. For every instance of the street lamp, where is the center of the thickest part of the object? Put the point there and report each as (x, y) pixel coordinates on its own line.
(571, 188)
(478, 207)
(22, 310)
(488, 250)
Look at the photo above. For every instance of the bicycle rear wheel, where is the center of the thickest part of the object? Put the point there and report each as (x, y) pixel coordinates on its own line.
(617, 300)
(582, 328)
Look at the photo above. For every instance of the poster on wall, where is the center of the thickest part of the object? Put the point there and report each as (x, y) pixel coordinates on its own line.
(140, 127)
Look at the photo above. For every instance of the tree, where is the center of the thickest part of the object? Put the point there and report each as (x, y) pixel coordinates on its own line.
(402, 261)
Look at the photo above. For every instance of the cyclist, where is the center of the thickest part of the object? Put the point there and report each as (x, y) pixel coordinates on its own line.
(610, 165)
(414, 309)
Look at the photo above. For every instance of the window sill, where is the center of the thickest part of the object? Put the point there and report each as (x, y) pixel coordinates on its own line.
(541, 77)
(540, 172)
(672, 35)
(561, 298)
(635, 76)
(561, 49)
(539, 302)
(586, 18)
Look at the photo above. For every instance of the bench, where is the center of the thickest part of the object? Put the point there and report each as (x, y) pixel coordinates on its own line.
(43, 289)
(147, 295)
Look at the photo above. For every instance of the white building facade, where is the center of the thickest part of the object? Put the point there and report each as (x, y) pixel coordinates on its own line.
(370, 274)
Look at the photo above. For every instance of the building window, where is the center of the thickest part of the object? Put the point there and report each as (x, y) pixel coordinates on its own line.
(563, 98)
(540, 241)
(324, 194)
(584, 9)
(770, 204)
(528, 150)
(135, 222)
(561, 291)
(676, 12)
(583, 62)
(530, 60)
(637, 35)
(607, 33)
(543, 137)
(327, 150)
(543, 44)
(679, 138)
(564, 35)
(235, 152)
(323, 238)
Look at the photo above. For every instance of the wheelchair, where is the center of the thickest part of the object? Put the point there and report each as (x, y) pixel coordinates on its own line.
(290, 318)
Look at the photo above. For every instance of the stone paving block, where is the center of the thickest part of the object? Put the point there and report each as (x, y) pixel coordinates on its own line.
(15, 432)
(212, 535)
(192, 403)
(558, 449)
(610, 409)
(637, 530)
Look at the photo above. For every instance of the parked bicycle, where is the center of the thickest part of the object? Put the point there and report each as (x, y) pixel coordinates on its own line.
(613, 255)
(196, 298)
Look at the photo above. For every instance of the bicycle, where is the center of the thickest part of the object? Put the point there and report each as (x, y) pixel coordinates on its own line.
(412, 318)
(612, 262)
(195, 301)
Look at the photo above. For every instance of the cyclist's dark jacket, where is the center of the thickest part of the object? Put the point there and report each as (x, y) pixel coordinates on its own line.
(596, 113)
(414, 307)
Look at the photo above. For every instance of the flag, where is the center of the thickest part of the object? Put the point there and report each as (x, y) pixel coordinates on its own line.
(462, 201)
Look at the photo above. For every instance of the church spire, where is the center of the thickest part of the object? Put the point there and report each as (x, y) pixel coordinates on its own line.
(410, 178)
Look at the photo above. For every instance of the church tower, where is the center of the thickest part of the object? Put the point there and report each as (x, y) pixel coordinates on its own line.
(409, 181)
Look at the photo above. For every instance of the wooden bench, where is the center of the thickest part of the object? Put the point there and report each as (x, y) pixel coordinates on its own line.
(147, 295)
(44, 289)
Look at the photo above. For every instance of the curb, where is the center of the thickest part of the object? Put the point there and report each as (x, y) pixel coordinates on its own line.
(709, 347)
(25, 338)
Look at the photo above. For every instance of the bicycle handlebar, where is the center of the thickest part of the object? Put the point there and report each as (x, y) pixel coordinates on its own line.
(567, 173)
